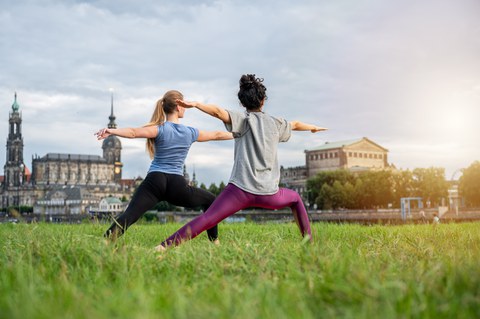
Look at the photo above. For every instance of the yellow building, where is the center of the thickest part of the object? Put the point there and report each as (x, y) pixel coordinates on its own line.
(355, 155)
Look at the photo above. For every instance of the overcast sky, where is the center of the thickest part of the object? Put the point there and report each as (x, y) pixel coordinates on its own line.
(405, 74)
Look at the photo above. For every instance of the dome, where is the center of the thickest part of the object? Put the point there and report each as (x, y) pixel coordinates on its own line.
(15, 105)
(111, 142)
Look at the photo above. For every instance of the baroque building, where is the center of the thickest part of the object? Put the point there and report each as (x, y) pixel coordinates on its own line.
(356, 155)
(61, 183)
(112, 149)
(14, 168)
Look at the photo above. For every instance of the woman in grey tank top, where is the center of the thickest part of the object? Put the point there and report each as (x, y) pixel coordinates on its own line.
(255, 175)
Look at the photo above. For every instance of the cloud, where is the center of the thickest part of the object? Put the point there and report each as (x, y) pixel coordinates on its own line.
(403, 73)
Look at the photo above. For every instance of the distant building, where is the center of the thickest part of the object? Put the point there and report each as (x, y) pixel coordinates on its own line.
(110, 205)
(71, 169)
(112, 149)
(355, 155)
(65, 200)
(75, 181)
(294, 178)
(15, 180)
(64, 183)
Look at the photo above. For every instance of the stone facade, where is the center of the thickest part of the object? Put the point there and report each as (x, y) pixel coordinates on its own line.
(110, 205)
(294, 178)
(355, 155)
(61, 183)
(65, 200)
(71, 169)
(360, 154)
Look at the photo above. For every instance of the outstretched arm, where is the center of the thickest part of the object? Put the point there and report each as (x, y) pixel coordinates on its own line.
(205, 136)
(210, 109)
(300, 126)
(129, 132)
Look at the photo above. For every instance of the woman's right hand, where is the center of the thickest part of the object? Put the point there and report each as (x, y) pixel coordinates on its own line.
(186, 104)
(210, 109)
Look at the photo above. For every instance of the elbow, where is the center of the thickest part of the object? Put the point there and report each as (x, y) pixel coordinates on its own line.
(220, 114)
(223, 136)
(216, 113)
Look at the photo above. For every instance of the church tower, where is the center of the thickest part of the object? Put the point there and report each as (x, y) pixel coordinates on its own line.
(112, 148)
(14, 169)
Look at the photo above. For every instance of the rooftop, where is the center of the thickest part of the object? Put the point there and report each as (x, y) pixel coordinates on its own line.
(332, 145)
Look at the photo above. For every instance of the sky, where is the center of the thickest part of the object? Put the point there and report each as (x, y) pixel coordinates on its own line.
(405, 74)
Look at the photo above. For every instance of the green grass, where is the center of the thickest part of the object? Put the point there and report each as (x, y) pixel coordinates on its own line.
(259, 271)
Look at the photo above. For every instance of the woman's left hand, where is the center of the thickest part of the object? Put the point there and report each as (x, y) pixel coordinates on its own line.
(103, 133)
(318, 129)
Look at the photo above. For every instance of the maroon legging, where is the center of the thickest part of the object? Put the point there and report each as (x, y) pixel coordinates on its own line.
(231, 200)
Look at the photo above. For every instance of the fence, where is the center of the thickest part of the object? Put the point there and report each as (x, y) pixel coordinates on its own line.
(377, 216)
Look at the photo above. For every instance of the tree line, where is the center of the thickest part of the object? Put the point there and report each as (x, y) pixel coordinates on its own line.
(372, 189)
(343, 189)
(382, 189)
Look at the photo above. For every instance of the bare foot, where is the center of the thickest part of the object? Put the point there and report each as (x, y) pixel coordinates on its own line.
(160, 248)
(307, 239)
(216, 242)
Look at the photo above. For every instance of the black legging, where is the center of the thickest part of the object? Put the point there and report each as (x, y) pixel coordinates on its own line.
(157, 187)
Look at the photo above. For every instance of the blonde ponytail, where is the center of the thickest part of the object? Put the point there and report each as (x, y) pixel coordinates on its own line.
(158, 118)
(166, 105)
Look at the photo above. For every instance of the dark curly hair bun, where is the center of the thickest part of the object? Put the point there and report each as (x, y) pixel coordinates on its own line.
(249, 80)
(252, 91)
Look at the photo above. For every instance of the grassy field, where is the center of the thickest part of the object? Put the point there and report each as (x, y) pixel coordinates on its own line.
(259, 271)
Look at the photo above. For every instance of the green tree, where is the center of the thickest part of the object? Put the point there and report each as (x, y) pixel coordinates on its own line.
(221, 187)
(165, 206)
(378, 185)
(315, 184)
(402, 182)
(338, 196)
(324, 198)
(430, 184)
(349, 191)
(469, 185)
(213, 189)
(363, 198)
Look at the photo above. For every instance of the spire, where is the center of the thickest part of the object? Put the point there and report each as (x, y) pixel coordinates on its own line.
(194, 179)
(185, 174)
(15, 105)
(112, 117)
